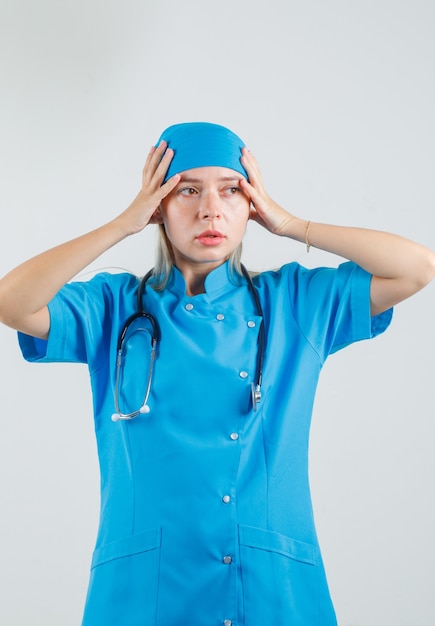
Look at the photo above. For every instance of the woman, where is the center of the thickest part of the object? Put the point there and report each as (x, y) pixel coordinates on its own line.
(206, 516)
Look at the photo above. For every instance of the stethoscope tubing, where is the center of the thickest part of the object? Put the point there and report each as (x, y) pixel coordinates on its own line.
(156, 336)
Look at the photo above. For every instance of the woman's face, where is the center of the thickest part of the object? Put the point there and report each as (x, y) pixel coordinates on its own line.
(205, 217)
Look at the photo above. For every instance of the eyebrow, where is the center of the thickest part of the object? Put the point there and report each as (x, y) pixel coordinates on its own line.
(189, 179)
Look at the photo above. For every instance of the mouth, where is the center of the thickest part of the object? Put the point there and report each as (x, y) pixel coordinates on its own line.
(210, 238)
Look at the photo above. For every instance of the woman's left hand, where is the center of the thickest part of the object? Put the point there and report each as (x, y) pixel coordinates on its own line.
(399, 267)
(264, 210)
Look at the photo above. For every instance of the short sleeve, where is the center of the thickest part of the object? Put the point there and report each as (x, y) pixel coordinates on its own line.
(332, 307)
(82, 316)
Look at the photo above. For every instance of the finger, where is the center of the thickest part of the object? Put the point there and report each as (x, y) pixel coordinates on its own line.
(159, 151)
(252, 192)
(164, 191)
(163, 165)
(254, 174)
(153, 160)
(155, 154)
(251, 162)
(148, 160)
(169, 185)
(155, 173)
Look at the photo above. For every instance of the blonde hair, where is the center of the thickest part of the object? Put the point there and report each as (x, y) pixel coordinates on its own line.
(165, 260)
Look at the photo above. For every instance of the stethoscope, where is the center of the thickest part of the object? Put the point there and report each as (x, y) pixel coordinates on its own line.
(155, 338)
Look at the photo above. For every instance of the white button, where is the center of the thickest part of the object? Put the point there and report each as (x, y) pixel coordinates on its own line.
(234, 436)
(220, 316)
(243, 374)
(227, 622)
(189, 306)
(251, 324)
(226, 499)
(227, 559)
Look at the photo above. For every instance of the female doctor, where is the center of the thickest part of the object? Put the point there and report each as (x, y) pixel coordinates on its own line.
(206, 516)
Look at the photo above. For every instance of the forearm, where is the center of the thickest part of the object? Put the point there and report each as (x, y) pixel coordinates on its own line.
(30, 287)
(26, 291)
(380, 253)
(400, 267)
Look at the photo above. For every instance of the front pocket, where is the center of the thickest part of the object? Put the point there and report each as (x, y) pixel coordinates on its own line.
(124, 582)
(281, 580)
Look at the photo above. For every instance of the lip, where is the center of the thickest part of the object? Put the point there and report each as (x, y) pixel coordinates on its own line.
(210, 238)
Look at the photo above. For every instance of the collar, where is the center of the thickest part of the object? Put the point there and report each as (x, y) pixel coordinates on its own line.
(217, 281)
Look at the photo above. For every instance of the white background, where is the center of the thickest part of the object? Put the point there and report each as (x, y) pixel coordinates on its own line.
(337, 101)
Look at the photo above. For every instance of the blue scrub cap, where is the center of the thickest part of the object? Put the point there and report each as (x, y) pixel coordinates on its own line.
(201, 144)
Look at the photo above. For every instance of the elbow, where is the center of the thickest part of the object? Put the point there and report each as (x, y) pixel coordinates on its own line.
(430, 270)
(426, 272)
(9, 307)
(419, 276)
(6, 318)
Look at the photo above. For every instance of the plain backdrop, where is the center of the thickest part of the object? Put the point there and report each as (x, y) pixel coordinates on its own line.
(336, 99)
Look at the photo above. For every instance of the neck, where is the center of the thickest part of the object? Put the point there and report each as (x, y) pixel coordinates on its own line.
(195, 282)
(195, 288)
(194, 278)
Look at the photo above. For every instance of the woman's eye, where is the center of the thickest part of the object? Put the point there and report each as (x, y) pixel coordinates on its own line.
(188, 191)
(233, 190)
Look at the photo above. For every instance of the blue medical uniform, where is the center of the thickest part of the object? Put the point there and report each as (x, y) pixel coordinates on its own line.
(206, 515)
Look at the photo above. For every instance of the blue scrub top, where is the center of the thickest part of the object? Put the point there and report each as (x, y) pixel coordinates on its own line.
(206, 514)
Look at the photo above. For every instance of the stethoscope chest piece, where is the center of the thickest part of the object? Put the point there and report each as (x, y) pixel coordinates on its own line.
(155, 338)
(256, 395)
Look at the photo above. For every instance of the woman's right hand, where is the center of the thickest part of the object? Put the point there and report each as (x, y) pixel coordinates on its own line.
(26, 290)
(141, 210)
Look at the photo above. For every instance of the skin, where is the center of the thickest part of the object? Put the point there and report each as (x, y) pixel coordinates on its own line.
(205, 219)
(400, 267)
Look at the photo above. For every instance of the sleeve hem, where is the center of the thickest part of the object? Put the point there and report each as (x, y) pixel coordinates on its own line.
(42, 350)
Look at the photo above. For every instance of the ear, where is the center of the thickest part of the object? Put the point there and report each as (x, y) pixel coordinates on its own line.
(157, 217)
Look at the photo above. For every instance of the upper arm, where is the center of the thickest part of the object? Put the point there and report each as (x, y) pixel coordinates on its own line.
(35, 325)
(387, 292)
(416, 270)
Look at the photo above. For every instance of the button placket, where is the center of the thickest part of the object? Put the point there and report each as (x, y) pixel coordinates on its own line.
(226, 519)
(222, 322)
(227, 501)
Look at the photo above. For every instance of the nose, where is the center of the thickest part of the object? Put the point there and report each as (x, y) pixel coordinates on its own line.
(210, 208)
